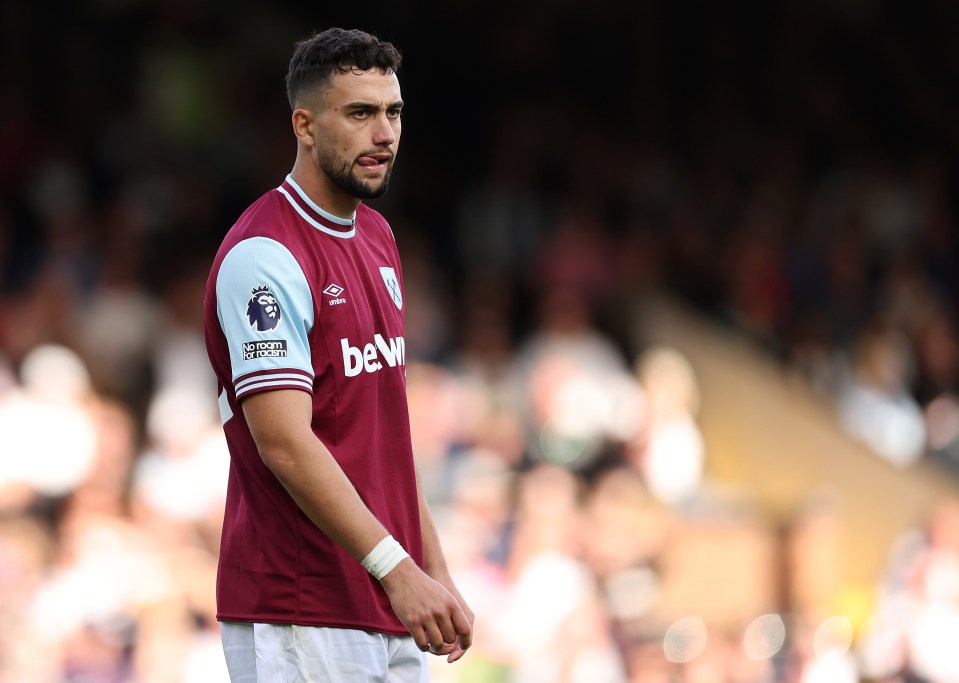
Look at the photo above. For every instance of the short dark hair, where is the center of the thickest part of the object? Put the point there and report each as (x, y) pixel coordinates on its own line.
(335, 49)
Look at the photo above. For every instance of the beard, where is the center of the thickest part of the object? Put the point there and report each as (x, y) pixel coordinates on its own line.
(340, 173)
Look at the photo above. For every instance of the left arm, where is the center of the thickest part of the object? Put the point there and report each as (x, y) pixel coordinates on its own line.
(434, 564)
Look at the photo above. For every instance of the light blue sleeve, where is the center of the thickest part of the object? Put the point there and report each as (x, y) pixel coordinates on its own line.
(265, 308)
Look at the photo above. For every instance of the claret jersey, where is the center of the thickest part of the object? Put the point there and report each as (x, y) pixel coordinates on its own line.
(300, 299)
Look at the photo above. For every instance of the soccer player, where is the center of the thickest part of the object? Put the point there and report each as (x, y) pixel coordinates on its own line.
(330, 568)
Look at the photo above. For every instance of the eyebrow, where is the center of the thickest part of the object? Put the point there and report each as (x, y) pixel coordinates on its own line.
(398, 104)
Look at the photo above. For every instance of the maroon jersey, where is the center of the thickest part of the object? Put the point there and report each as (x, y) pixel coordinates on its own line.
(300, 299)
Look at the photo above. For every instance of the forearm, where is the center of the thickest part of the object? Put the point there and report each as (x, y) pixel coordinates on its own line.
(311, 475)
(316, 482)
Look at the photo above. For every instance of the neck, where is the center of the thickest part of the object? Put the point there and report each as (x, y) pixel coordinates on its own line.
(318, 188)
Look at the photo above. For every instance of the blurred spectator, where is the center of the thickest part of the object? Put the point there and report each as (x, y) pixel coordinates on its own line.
(50, 442)
(624, 532)
(553, 626)
(181, 477)
(876, 406)
(669, 450)
(911, 631)
(177, 350)
(573, 387)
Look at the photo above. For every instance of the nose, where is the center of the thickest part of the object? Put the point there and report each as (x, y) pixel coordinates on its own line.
(383, 131)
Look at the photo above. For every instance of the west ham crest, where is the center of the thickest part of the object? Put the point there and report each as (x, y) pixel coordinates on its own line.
(392, 286)
(263, 311)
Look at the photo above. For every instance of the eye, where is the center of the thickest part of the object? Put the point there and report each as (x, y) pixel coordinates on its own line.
(393, 113)
(360, 114)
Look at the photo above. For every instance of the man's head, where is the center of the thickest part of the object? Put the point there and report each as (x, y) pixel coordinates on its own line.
(336, 50)
(346, 103)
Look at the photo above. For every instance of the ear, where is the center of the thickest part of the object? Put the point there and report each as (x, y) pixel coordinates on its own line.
(303, 122)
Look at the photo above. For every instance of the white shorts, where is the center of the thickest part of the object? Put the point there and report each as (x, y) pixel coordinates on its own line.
(272, 653)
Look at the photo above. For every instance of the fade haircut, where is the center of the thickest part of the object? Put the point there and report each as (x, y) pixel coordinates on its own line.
(317, 58)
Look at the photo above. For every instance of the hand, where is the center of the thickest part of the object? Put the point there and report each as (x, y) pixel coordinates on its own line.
(432, 614)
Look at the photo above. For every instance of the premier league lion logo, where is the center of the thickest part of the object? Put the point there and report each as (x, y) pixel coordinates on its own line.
(263, 311)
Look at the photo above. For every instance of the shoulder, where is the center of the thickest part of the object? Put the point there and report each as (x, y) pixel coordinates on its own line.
(268, 216)
(256, 256)
(264, 219)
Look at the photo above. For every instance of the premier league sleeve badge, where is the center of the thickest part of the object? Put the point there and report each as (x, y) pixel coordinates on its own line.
(263, 310)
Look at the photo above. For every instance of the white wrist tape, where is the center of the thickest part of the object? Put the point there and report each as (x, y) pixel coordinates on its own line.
(384, 557)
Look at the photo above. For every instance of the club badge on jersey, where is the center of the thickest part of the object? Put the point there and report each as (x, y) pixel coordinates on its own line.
(392, 286)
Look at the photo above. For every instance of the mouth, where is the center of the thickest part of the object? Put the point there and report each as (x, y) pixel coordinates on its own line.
(376, 161)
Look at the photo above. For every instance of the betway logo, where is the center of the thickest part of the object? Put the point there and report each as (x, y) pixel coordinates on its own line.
(355, 361)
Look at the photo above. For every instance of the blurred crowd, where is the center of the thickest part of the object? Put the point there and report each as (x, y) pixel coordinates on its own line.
(788, 169)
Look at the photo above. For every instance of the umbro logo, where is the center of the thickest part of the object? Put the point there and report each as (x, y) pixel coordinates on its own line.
(334, 291)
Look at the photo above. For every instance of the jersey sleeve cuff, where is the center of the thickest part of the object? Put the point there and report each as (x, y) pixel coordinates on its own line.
(271, 380)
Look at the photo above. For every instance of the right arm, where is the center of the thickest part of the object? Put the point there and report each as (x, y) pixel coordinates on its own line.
(280, 424)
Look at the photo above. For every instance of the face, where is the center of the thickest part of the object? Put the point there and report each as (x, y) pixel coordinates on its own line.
(358, 132)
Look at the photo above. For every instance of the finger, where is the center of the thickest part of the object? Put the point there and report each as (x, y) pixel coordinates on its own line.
(447, 629)
(435, 636)
(464, 630)
(421, 639)
(455, 654)
(442, 649)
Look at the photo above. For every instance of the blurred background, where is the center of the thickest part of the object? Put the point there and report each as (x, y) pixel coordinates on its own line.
(683, 354)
